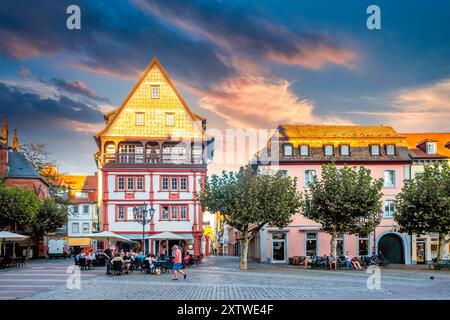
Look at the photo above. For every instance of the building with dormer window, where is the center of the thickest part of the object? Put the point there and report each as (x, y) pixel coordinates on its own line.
(153, 150)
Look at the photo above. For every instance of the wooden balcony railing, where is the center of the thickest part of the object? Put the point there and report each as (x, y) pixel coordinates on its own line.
(139, 158)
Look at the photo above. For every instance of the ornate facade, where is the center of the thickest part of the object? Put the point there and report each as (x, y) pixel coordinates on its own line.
(153, 150)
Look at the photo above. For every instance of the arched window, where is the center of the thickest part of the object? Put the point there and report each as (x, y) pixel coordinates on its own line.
(152, 152)
(197, 152)
(131, 153)
(174, 153)
(110, 152)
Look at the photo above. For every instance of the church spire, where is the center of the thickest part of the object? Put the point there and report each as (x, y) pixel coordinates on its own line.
(15, 143)
(5, 132)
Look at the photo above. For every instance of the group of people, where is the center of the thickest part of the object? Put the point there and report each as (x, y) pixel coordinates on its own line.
(331, 261)
(130, 258)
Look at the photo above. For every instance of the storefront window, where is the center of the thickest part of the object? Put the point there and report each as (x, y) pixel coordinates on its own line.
(311, 244)
(363, 245)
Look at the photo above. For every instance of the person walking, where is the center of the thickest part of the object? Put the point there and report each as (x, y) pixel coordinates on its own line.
(177, 260)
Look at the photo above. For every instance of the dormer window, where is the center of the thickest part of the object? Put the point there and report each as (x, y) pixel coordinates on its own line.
(304, 151)
(431, 147)
(328, 150)
(155, 92)
(390, 150)
(287, 150)
(375, 150)
(345, 150)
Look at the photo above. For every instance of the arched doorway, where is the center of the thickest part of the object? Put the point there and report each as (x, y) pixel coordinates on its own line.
(391, 246)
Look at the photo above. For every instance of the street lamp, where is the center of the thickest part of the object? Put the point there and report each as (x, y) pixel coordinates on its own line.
(143, 215)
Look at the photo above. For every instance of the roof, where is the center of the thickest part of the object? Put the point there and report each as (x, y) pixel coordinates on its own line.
(326, 131)
(112, 115)
(20, 167)
(78, 183)
(442, 140)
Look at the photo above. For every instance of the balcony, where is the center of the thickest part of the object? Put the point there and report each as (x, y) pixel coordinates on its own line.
(141, 160)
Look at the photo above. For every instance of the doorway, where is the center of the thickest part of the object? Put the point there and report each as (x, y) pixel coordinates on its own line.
(420, 251)
(278, 247)
(391, 247)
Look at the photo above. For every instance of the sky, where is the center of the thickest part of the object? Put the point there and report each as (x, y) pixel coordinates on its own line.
(240, 64)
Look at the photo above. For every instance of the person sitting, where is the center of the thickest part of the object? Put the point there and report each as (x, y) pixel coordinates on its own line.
(356, 263)
(347, 260)
(118, 260)
(306, 261)
(332, 261)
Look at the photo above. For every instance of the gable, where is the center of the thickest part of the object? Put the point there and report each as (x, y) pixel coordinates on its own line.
(122, 122)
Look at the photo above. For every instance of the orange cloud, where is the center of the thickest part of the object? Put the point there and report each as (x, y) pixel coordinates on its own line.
(83, 126)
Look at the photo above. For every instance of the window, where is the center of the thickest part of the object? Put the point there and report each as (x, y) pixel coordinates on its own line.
(363, 247)
(340, 245)
(165, 183)
(155, 92)
(75, 209)
(131, 153)
(389, 208)
(75, 228)
(174, 153)
(121, 183)
(390, 150)
(389, 178)
(183, 212)
(165, 213)
(85, 209)
(81, 195)
(197, 153)
(287, 150)
(130, 183)
(309, 177)
(304, 151)
(345, 150)
(328, 150)
(86, 227)
(140, 183)
(183, 183)
(174, 214)
(431, 147)
(121, 213)
(174, 183)
(170, 119)
(311, 244)
(139, 119)
(375, 150)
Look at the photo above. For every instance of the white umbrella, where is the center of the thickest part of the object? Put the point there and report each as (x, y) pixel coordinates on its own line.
(166, 235)
(106, 235)
(6, 235)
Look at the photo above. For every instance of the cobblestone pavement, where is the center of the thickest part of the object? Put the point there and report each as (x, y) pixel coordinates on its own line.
(220, 278)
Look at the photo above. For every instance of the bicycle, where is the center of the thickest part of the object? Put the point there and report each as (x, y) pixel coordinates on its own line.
(435, 265)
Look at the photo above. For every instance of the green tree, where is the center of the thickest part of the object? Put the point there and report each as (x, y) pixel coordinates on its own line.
(248, 199)
(17, 206)
(344, 201)
(423, 205)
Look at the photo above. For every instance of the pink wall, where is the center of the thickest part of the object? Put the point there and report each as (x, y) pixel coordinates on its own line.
(297, 228)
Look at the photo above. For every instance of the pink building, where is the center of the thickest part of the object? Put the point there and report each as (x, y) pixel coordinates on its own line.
(302, 151)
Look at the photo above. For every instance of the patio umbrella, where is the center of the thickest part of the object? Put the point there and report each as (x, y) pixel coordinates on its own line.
(166, 235)
(106, 235)
(6, 235)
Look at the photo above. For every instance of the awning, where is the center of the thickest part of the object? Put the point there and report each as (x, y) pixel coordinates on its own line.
(81, 242)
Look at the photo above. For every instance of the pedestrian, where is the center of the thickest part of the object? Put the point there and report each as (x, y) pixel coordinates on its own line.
(177, 263)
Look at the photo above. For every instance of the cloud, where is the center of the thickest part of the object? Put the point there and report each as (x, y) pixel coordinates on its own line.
(419, 109)
(258, 102)
(239, 33)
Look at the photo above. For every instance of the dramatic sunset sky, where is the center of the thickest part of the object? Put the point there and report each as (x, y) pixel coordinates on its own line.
(241, 64)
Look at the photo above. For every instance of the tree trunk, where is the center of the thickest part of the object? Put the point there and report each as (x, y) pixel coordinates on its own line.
(333, 244)
(244, 252)
(441, 247)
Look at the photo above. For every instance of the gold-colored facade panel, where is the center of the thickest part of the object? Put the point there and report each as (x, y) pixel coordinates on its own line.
(154, 110)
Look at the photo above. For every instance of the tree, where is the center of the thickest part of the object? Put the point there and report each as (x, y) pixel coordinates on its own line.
(344, 201)
(249, 199)
(48, 218)
(423, 205)
(17, 206)
(37, 154)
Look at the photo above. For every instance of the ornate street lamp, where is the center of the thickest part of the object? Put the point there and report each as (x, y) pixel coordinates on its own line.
(143, 215)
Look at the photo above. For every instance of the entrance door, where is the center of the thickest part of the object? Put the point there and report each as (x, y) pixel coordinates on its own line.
(420, 251)
(279, 248)
(391, 247)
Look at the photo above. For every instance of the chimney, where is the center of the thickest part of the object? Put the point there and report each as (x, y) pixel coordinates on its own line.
(4, 150)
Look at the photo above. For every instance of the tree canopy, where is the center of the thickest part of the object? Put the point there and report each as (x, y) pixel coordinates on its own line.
(250, 199)
(344, 200)
(17, 206)
(423, 205)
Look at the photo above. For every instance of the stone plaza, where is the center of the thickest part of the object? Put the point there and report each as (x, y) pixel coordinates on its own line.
(219, 278)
